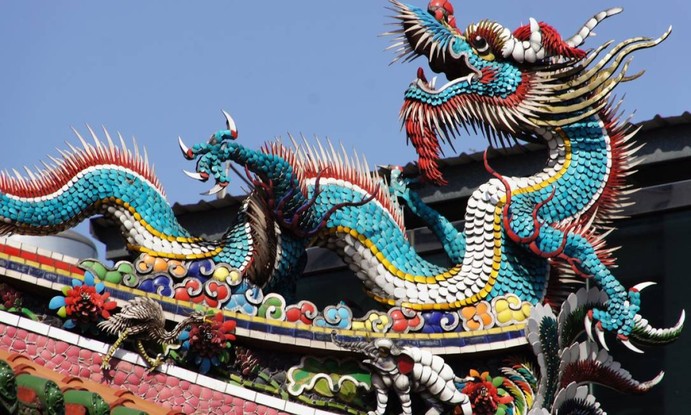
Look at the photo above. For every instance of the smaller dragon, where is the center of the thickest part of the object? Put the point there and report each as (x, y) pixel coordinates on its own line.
(410, 369)
(142, 319)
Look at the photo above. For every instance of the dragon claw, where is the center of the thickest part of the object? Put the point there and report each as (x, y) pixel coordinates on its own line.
(589, 325)
(600, 332)
(642, 286)
(398, 185)
(217, 188)
(202, 177)
(626, 342)
(644, 333)
(186, 151)
(620, 316)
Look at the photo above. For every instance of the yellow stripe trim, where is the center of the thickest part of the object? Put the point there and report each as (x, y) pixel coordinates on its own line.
(169, 255)
(550, 180)
(362, 239)
(138, 217)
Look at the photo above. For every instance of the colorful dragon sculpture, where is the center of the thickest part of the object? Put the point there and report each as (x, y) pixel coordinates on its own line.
(529, 85)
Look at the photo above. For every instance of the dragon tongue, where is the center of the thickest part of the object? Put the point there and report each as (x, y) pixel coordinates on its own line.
(421, 74)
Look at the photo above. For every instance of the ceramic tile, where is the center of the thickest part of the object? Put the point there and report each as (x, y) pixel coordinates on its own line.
(43, 252)
(211, 383)
(94, 345)
(297, 409)
(240, 392)
(44, 283)
(319, 344)
(9, 318)
(29, 248)
(127, 356)
(181, 373)
(287, 340)
(13, 274)
(34, 326)
(303, 342)
(70, 260)
(63, 335)
(270, 401)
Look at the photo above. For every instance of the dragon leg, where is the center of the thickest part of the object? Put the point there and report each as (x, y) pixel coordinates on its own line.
(453, 241)
(105, 364)
(382, 394)
(153, 363)
(622, 305)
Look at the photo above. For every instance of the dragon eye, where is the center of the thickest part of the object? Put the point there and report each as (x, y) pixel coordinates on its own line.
(480, 44)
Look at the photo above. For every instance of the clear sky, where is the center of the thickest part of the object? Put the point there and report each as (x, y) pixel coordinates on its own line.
(156, 70)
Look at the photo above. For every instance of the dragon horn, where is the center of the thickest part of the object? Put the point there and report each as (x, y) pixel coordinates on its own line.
(528, 51)
(587, 28)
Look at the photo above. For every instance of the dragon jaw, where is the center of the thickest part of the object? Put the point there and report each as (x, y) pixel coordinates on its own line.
(511, 86)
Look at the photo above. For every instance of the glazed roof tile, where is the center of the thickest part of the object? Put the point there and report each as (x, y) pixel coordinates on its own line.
(114, 397)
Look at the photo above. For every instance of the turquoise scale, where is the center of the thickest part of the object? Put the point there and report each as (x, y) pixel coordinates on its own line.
(577, 186)
(511, 79)
(521, 274)
(87, 190)
(369, 220)
(236, 246)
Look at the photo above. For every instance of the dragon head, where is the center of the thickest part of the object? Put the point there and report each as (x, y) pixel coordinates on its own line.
(512, 85)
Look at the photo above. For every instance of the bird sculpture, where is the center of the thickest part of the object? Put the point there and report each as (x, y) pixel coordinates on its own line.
(142, 320)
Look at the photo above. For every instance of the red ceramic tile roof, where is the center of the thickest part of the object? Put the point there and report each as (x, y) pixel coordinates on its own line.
(114, 396)
(157, 393)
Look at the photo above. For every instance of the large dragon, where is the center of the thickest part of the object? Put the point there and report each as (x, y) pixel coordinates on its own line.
(527, 85)
(531, 85)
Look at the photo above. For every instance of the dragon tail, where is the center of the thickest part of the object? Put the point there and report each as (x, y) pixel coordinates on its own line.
(96, 178)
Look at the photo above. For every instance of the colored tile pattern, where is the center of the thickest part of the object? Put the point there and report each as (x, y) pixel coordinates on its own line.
(14, 260)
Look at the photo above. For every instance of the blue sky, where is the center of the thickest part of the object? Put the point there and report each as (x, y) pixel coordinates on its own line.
(156, 70)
